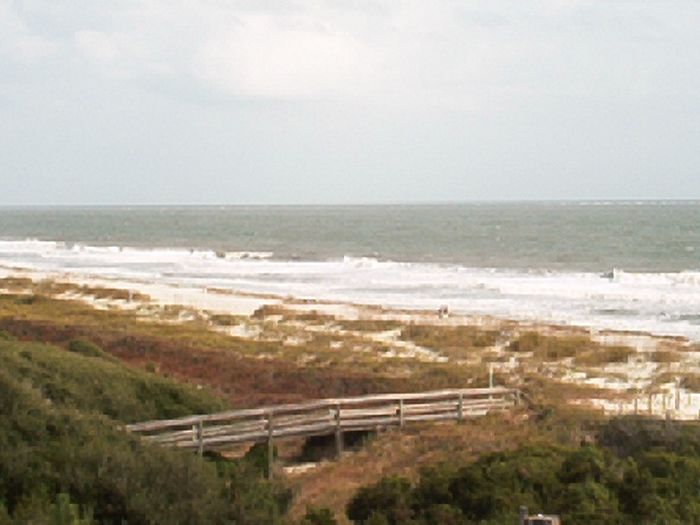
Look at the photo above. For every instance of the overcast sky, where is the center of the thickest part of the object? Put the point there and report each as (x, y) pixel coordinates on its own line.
(348, 101)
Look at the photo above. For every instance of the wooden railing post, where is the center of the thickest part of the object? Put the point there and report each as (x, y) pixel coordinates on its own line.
(400, 413)
(270, 447)
(198, 436)
(460, 407)
(338, 433)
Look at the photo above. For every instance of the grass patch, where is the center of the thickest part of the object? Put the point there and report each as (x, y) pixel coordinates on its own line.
(584, 351)
(368, 325)
(665, 356)
(462, 340)
(600, 355)
(549, 348)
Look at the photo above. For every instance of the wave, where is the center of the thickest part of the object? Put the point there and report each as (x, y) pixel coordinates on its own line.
(657, 302)
(35, 246)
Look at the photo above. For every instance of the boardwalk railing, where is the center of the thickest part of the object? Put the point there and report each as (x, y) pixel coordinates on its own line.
(322, 417)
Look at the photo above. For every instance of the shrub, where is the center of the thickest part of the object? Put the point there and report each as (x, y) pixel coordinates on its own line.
(318, 516)
(390, 497)
(87, 349)
(60, 415)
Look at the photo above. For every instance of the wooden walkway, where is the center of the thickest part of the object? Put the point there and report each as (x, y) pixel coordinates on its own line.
(322, 417)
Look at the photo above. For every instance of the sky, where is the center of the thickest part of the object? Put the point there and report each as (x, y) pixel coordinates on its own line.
(347, 101)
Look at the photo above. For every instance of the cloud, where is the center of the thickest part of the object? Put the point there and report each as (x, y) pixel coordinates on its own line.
(484, 54)
(18, 43)
(268, 57)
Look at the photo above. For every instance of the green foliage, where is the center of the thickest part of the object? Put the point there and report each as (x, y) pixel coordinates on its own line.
(62, 449)
(318, 516)
(63, 512)
(652, 480)
(390, 496)
(88, 349)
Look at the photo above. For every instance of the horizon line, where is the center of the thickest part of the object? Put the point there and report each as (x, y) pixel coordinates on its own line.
(361, 204)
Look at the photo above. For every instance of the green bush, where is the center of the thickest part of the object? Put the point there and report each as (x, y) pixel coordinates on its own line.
(649, 480)
(87, 349)
(62, 449)
(318, 516)
(392, 497)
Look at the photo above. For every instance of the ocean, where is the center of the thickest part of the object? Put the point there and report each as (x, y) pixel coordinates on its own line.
(607, 265)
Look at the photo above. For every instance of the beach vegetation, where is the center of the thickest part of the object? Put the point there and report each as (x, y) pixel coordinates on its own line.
(457, 342)
(598, 355)
(319, 516)
(665, 356)
(637, 473)
(66, 459)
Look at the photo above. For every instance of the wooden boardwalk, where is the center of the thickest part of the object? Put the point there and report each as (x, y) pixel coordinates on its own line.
(322, 417)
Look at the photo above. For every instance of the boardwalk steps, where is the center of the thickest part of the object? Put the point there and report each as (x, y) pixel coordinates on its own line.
(322, 417)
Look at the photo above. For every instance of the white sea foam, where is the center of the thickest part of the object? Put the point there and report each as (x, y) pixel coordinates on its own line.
(662, 303)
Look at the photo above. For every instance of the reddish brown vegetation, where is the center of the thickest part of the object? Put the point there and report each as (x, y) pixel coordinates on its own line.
(244, 380)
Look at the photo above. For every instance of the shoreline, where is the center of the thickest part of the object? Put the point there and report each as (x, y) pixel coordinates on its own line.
(213, 300)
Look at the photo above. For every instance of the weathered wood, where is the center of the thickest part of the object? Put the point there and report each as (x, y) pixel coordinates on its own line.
(200, 438)
(321, 417)
(338, 433)
(277, 410)
(270, 446)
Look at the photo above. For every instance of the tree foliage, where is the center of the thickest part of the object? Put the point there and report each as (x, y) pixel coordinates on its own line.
(647, 478)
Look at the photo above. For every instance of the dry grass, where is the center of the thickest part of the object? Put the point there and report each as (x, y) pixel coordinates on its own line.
(665, 356)
(368, 325)
(455, 342)
(555, 348)
(601, 355)
(51, 288)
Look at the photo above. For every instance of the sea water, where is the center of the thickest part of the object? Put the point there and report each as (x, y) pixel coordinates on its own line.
(608, 265)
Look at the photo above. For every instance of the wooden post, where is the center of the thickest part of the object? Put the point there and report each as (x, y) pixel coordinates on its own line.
(678, 398)
(200, 437)
(400, 413)
(460, 407)
(650, 407)
(338, 433)
(270, 447)
(517, 397)
(636, 406)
